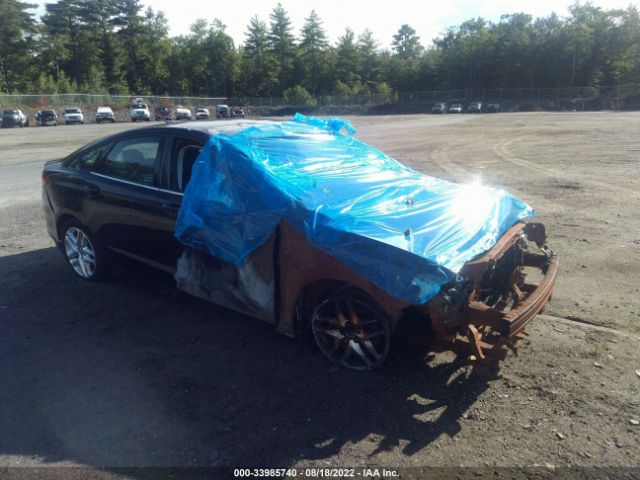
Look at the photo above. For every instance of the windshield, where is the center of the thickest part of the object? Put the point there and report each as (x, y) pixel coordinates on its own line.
(9, 112)
(72, 110)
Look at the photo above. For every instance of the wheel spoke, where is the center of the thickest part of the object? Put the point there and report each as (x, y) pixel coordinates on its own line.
(328, 320)
(342, 321)
(368, 345)
(358, 350)
(374, 334)
(333, 333)
(347, 350)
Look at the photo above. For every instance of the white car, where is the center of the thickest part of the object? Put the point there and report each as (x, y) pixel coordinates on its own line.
(202, 113)
(140, 111)
(105, 114)
(183, 114)
(73, 115)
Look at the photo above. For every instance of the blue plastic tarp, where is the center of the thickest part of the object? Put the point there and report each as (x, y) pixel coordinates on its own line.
(406, 232)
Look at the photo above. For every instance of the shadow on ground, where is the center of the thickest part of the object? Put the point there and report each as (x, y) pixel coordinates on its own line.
(129, 373)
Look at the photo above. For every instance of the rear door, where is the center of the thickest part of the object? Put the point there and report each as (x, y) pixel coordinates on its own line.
(122, 198)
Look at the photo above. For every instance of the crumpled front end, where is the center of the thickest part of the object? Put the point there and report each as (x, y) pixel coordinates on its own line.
(495, 296)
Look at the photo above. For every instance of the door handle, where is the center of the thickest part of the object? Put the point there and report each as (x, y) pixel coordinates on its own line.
(92, 190)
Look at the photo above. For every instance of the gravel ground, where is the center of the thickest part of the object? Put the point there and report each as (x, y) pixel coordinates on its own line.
(128, 373)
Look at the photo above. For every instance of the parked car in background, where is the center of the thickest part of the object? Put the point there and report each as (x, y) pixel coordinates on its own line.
(163, 114)
(438, 108)
(493, 107)
(14, 118)
(140, 111)
(237, 112)
(46, 118)
(202, 113)
(183, 114)
(455, 108)
(483, 276)
(223, 111)
(73, 115)
(105, 114)
(474, 107)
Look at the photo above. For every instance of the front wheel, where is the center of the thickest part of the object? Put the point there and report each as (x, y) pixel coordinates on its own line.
(84, 252)
(351, 329)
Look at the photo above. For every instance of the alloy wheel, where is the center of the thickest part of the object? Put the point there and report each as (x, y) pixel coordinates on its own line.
(351, 331)
(80, 252)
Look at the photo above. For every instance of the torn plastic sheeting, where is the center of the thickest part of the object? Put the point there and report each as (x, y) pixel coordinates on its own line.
(406, 232)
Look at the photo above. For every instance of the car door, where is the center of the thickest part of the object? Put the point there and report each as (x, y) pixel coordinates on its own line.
(121, 198)
(181, 153)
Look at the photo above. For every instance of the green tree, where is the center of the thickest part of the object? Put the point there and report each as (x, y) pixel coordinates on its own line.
(406, 44)
(370, 60)
(16, 45)
(282, 45)
(348, 62)
(260, 70)
(313, 52)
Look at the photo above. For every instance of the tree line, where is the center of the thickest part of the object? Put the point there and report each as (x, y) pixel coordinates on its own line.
(117, 47)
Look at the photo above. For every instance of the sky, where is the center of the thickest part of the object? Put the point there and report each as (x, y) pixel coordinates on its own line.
(429, 18)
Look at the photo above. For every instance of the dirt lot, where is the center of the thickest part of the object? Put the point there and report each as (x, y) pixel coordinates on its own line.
(128, 373)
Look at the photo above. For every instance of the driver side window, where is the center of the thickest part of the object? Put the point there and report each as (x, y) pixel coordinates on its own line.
(133, 159)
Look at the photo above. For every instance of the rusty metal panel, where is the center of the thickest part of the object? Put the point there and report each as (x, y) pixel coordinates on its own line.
(301, 265)
(247, 288)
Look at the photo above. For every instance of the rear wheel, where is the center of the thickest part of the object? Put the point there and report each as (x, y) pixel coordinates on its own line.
(84, 252)
(350, 328)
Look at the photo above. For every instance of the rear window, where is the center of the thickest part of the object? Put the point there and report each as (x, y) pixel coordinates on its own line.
(139, 105)
(8, 112)
(72, 110)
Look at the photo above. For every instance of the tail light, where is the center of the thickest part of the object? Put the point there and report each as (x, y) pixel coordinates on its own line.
(45, 179)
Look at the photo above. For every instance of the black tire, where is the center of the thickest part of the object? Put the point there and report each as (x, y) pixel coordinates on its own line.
(351, 329)
(81, 268)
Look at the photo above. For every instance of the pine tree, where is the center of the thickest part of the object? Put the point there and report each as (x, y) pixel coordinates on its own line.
(282, 45)
(313, 47)
(16, 29)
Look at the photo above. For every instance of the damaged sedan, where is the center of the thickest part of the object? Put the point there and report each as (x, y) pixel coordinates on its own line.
(301, 225)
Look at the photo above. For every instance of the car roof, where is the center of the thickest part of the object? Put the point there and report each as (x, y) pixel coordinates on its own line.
(200, 128)
(214, 126)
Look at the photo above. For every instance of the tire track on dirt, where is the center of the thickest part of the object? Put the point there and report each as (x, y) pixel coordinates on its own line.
(502, 151)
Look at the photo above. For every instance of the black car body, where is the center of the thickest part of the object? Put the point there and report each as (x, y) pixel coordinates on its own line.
(132, 184)
(121, 195)
(46, 118)
(493, 107)
(223, 111)
(163, 114)
(14, 118)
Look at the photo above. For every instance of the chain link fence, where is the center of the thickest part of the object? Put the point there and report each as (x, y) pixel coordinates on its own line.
(415, 98)
(531, 94)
